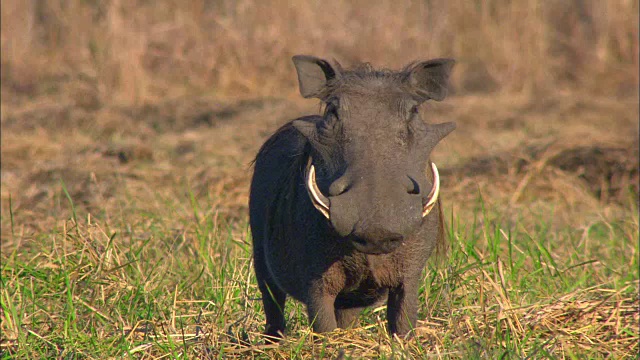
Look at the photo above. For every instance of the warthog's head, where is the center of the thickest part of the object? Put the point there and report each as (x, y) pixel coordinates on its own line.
(367, 172)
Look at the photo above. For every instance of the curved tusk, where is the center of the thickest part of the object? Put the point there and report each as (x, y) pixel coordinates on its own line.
(319, 201)
(432, 198)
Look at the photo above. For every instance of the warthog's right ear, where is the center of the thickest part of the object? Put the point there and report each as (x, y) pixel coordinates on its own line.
(313, 74)
(430, 79)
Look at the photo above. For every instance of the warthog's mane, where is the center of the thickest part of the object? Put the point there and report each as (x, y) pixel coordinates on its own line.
(363, 77)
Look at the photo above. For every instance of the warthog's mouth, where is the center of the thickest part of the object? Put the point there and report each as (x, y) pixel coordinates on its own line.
(375, 248)
(323, 204)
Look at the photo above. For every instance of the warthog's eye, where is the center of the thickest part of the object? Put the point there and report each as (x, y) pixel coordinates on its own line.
(331, 108)
(410, 109)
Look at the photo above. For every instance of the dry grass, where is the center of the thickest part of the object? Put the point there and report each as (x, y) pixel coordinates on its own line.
(137, 52)
(128, 127)
(133, 227)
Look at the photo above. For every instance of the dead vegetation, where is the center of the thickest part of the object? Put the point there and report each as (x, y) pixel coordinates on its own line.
(136, 52)
(608, 173)
(164, 164)
(585, 320)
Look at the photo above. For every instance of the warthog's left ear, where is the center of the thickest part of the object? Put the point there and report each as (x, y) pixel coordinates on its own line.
(313, 74)
(430, 79)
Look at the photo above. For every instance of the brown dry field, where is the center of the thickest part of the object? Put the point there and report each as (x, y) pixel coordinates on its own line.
(575, 154)
(571, 155)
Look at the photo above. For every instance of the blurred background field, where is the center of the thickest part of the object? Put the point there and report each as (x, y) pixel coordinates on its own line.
(128, 128)
(135, 52)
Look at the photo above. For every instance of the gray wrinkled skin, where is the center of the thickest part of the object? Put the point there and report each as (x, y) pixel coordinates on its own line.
(371, 152)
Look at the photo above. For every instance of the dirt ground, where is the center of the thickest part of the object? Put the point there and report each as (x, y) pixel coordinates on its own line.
(575, 154)
(569, 158)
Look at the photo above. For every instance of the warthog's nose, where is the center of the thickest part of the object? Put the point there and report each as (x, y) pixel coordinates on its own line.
(378, 234)
(340, 186)
(411, 185)
(376, 240)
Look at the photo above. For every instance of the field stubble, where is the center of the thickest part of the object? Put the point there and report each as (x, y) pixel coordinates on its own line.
(124, 231)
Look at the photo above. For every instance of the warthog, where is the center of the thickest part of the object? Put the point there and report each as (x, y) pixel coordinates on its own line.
(340, 204)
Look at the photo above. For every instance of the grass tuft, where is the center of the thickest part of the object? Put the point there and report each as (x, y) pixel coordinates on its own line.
(504, 291)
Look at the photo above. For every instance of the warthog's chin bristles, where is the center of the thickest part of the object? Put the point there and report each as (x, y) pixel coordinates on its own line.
(319, 201)
(432, 198)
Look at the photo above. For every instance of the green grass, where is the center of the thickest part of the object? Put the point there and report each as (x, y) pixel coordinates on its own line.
(181, 285)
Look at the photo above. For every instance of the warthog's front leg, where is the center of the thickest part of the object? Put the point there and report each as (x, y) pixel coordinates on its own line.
(347, 318)
(321, 310)
(402, 308)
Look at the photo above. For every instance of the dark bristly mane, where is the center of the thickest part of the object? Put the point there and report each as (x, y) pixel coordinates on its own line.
(359, 79)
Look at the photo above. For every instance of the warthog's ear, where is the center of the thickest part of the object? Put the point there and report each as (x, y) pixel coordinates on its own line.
(313, 74)
(430, 79)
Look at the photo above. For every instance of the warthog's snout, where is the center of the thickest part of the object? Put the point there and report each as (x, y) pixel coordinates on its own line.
(375, 240)
(375, 221)
(374, 212)
(345, 183)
